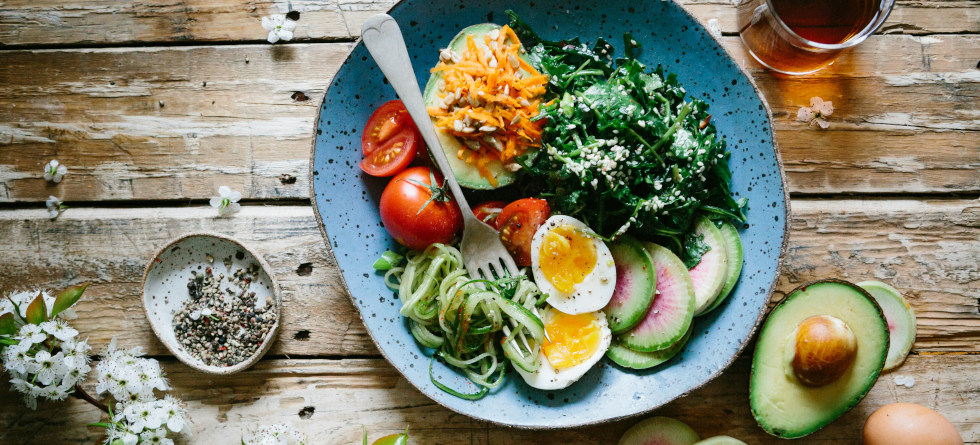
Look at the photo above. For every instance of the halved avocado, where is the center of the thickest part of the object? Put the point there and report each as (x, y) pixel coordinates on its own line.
(467, 175)
(785, 406)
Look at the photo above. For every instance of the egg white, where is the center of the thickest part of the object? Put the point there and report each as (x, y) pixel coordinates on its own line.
(594, 292)
(549, 378)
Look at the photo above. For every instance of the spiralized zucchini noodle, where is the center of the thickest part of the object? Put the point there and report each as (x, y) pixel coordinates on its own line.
(469, 322)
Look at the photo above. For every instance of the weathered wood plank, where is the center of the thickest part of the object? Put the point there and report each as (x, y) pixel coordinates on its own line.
(340, 396)
(105, 22)
(199, 117)
(102, 22)
(927, 249)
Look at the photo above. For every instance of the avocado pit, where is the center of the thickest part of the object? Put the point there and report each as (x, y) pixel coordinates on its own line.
(825, 349)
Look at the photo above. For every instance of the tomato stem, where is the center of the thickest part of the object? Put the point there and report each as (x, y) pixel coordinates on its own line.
(436, 193)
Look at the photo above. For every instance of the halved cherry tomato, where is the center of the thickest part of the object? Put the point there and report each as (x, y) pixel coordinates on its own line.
(488, 211)
(387, 121)
(417, 214)
(392, 156)
(517, 223)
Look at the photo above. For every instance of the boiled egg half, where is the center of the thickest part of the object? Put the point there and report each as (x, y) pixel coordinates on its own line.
(573, 344)
(572, 266)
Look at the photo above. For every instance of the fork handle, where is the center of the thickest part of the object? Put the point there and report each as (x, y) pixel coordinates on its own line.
(383, 39)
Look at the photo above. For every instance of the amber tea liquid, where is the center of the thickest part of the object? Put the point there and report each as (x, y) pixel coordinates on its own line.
(802, 36)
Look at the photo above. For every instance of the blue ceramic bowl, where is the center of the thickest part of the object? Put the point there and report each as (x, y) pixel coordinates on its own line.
(346, 202)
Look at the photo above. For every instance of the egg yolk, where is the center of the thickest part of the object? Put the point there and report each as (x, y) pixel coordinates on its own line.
(571, 339)
(566, 257)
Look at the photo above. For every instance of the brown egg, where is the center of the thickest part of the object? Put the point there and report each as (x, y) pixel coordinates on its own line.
(909, 424)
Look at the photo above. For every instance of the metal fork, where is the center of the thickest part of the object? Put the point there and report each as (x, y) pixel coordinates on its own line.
(483, 253)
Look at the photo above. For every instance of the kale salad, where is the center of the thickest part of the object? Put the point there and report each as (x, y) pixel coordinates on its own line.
(621, 148)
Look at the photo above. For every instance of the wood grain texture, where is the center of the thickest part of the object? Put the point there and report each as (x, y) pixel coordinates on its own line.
(929, 250)
(176, 122)
(107, 22)
(339, 396)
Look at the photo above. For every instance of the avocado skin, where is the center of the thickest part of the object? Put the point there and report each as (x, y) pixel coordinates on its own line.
(870, 380)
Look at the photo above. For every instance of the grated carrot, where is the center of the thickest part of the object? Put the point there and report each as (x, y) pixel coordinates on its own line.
(488, 99)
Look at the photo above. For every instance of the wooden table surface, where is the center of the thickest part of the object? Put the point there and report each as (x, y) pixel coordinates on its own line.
(153, 104)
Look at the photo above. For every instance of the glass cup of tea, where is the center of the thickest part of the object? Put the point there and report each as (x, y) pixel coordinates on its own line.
(803, 36)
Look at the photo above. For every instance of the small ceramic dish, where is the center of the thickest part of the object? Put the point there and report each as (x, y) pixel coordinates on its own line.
(165, 289)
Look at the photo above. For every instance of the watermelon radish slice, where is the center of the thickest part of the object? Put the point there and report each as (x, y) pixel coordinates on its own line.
(733, 245)
(636, 283)
(659, 431)
(628, 358)
(673, 306)
(900, 319)
(721, 440)
(709, 275)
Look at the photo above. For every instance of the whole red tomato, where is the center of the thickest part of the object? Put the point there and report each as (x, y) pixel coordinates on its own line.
(418, 214)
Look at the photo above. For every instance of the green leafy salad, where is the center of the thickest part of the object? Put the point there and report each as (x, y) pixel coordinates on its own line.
(622, 150)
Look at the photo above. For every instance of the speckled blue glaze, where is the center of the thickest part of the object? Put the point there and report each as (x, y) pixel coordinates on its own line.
(346, 202)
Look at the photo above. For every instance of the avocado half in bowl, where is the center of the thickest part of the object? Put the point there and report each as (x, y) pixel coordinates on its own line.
(818, 354)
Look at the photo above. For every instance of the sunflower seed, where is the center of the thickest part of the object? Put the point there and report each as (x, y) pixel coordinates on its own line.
(468, 129)
(488, 129)
(514, 61)
(495, 34)
(475, 145)
(447, 55)
(458, 125)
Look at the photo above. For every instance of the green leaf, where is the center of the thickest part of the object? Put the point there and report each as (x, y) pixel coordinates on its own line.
(37, 311)
(67, 298)
(394, 439)
(8, 341)
(8, 324)
(694, 249)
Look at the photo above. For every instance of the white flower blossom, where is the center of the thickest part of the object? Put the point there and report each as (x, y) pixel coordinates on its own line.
(147, 422)
(49, 366)
(279, 26)
(45, 365)
(59, 330)
(31, 334)
(156, 437)
(227, 201)
(54, 171)
(127, 376)
(280, 434)
(55, 207)
(175, 413)
(816, 112)
(23, 299)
